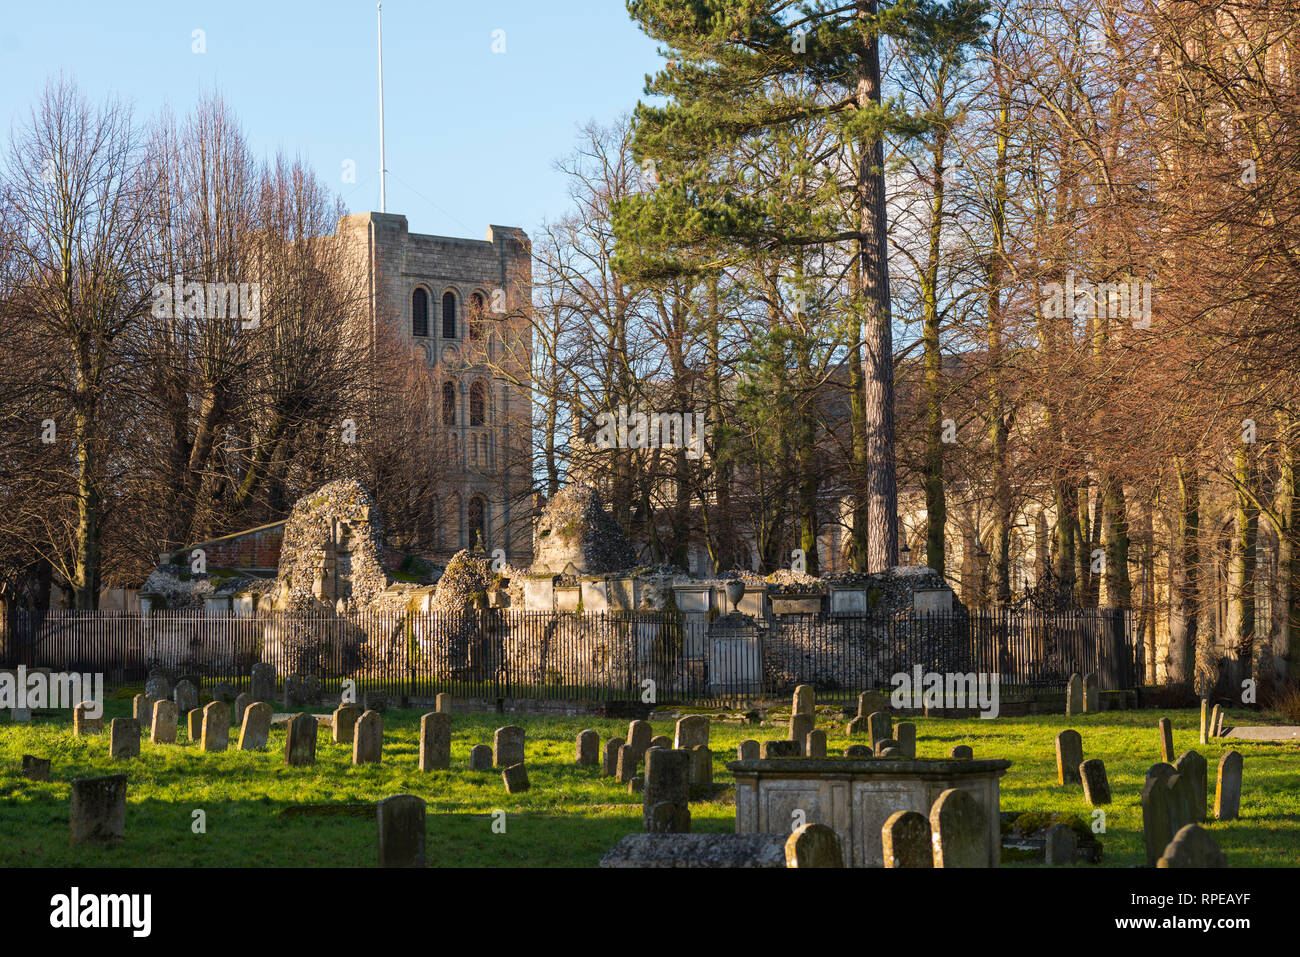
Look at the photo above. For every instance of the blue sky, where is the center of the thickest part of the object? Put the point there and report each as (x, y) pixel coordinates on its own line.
(471, 134)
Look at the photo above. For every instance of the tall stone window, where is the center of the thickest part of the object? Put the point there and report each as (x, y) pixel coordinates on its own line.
(449, 315)
(449, 403)
(477, 404)
(419, 313)
(476, 312)
(477, 522)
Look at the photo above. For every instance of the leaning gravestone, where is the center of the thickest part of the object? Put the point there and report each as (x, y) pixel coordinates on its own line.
(1091, 698)
(83, 723)
(1096, 789)
(747, 751)
(435, 741)
(691, 731)
(255, 729)
(300, 741)
(401, 819)
(782, 749)
(1166, 741)
(194, 725)
(142, 709)
(1069, 755)
(35, 769)
(1216, 720)
(508, 746)
(960, 831)
(97, 814)
(639, 734)
(368, 739)
(813, 845)
(242, 701)
(586, 748)
(1192, 846)
(805, 700)
(1074, 695)
(667, 778)
(879, 725)
(515, 778)
(124, 738)
(186, 697)
(1218, 725)
(1060, 844)
(1227, 791)
(905, 735)
(609, 757)
(262, 686)
(859, 725)
(1193, 767)
(480, 758)
(963, 752)
(800, 725)
(216, 726)
(905, 837)
(814, 744)
(345, 723)
(163, 730)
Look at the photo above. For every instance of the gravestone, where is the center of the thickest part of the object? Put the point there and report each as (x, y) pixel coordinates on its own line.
(435, 741)
(661, 741)
(20, 715)
(625, 770)
(345, 723)
(1091, 697)
(142, 709)
(586, 748)
(216, 726)
(885, 744)
(262, 684)
(865, 701)
(1216, 719)
(691, 731)
(401, 819)
(906, 839)
(1096, 789)
(311, 690)
(1166, 741)
(1192, 846)
(158, 687)
(1074, 695)
(374, 700)
(242, 701)
(814, 744)
(195, 680)
(194, 725)
(186, 696)
(668, 818)
(667, 778)
(1158, 815)
(295, 694)
(255, 729)
(747, 751)
(879, 725)
(508, 746)
(639, 734)
(964, 752)
(163, 730)
(805, 700)
(1227, 790)
(1069, 755)
(1162, 771)
(800, 725)
(858, 751)
(368, 739)
(1218, 724)
(35, 769)
(888, 752)
(97, 813)
(1183, 795)
(442, 704)
(905, 735)
(859, 725)
(224, 692)
(636, 785)
(515, 778)
(813, 845)
(701, 767)
(1193, 767)
(782, 749)
(1205, 721)
(83, 723)
(124, 738)
(960, 830)
(609, 757)
(300, 741)
(480, 758)
(1061, 844)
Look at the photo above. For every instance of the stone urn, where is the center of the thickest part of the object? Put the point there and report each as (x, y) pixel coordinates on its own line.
(735, 591)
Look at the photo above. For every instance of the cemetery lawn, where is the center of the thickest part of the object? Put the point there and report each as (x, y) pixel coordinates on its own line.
(571, 815)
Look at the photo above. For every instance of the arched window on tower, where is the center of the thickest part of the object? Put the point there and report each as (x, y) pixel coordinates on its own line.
(477, 404)
(476, 314)
(449, 315)
(419, 313)
(477, 522)
(449, 403)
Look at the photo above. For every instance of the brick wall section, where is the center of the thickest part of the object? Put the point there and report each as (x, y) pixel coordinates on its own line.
(255, 548)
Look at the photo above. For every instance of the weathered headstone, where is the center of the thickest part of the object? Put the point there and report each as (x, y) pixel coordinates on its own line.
(586, 748)
(442, 704)
(1192, 846)
(215, 735)
(1205, 721)
(97, 814)
(905, 735)
(163, 730)
(345, 723)
(1193, 767)
(124, 738)
(508, 746)
(814, 744)
(1096, 789)
(401, 819)
(1061, 844)
(963, 752)
(83, 723)
(262, 684)
(368, 739)
(1074, 694)
(813, 845)
(435, 741)
(158, 687)
(1157, 815)
(661, 741)
(782, 749)
(858, 751)
(667, 778)
(374, 699)
(142, 709)
(193, 725)
(800, 725)
(906, 840)
(1166, 741)
(1216, 719)
(1091, 696)
(805, 700)
(515, 778)
(242, 701)
(295, 695)
(1069, 755)
(859, 725)
(959, 830)
(36, 769)
(626, 768)
(889, 751)
(692, 730)
(480, 758)
(609, 757)
(885, 744)
(1227, 790)
(639, 734)
(668, 818)
(1218, 724)
(636, 785)
(223, 691)
(879, 725)
(747, 751)
(20, 715)
(701, 766)
(300, 741)
(255, 729)
(186, 696)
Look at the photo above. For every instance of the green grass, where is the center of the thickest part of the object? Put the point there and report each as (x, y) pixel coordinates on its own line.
(571, 815)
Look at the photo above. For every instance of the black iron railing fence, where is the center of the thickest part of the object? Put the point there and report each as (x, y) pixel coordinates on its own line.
(660, 657)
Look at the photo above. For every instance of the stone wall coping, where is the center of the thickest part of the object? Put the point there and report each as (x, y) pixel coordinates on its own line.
(866, 767)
